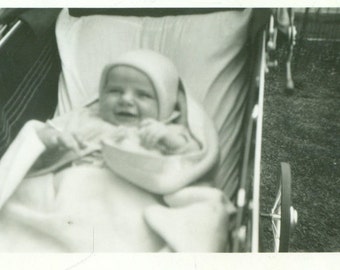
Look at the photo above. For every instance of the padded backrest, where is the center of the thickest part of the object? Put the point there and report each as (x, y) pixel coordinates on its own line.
(210, 51)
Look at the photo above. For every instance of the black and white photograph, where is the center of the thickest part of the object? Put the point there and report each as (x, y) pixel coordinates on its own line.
(159, 129)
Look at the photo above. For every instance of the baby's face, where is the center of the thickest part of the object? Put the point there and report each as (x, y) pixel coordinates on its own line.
(128, 97)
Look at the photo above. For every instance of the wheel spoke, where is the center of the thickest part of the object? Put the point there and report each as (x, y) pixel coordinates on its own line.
(277, 202)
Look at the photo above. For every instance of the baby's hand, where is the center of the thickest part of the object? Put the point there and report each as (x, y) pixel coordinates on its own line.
(54, 139)
(157, 135)
(152, 132)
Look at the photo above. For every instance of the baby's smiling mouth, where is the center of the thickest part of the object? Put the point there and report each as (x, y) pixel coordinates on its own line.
(125, 115)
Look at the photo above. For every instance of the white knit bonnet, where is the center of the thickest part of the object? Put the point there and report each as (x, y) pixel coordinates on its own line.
(159, 69)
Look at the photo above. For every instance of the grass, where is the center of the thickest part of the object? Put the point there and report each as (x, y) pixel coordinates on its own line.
(304, 130)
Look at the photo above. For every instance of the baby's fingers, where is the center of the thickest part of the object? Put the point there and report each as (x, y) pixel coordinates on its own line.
(151, 136)
(80, 142)
(150, 139)
(68, 141)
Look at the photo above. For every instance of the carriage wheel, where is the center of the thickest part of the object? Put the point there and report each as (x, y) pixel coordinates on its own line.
(283, 215)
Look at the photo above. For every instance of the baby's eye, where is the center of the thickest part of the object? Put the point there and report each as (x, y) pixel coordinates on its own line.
(115, 90)
(144, 95)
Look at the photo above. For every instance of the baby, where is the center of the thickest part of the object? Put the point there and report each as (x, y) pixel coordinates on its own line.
(117, 173)
(139, 98)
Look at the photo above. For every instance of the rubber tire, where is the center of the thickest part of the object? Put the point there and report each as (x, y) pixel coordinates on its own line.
(285, 207)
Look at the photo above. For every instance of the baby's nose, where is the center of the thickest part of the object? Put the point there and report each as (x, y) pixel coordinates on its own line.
(127, 97)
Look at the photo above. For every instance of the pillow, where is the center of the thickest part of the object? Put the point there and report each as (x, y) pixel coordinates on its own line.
(210, 51)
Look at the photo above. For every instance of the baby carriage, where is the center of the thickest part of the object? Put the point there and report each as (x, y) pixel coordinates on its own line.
(220, 53)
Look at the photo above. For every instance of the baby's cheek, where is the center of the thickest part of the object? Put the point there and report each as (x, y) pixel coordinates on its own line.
(150, 111)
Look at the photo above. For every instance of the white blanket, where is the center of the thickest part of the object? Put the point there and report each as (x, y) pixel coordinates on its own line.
(89, 208)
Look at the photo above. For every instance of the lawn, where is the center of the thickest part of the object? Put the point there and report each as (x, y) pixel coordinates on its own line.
(304, 129)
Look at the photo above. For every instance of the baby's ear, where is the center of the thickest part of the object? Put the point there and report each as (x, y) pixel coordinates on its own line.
(181, 105)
